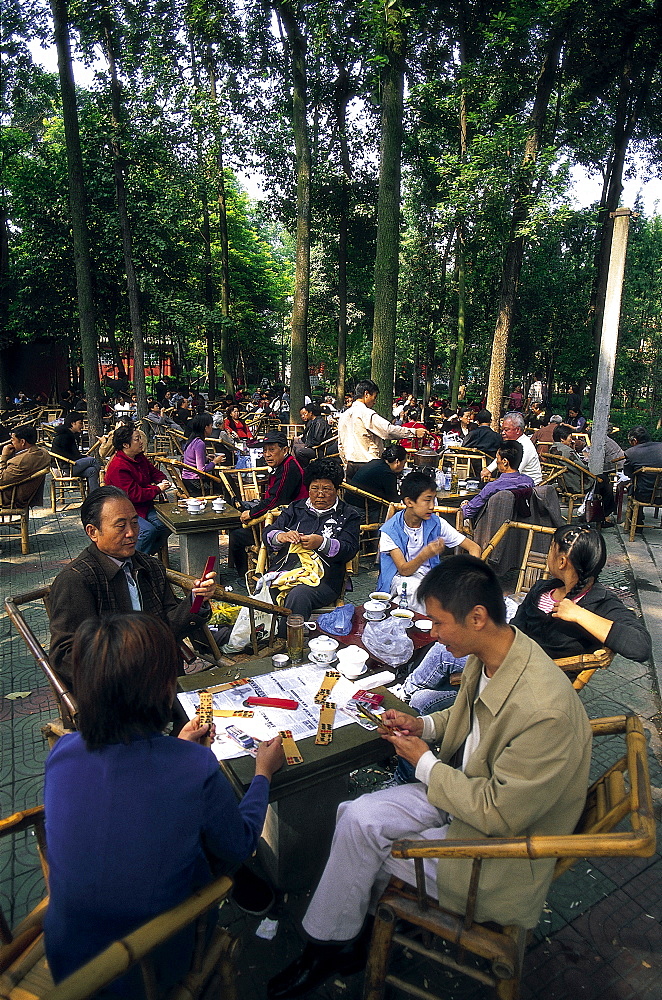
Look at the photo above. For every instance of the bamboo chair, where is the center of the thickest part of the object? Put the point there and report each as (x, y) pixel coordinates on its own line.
(327, 448)
(273, 643)
(573, 498)
(24, 972)
(63, 481)
(177, 441)
(634, 506)
(25, 623)
(609, 804)
(13, 515)
(533, 564)
(175, 467)
(464, 462)
(375, 511)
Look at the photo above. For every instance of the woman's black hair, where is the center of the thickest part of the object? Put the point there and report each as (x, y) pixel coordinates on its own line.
(586, 550)
(199, 424)
(394, 453)
(228, 415)
(125, 677)
(324, 468)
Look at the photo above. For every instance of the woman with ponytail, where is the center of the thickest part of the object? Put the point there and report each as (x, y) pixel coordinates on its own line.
(572, 613)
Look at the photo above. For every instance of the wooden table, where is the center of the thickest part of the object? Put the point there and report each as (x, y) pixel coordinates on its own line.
(197, 533)
(303, 800)
(354, 636)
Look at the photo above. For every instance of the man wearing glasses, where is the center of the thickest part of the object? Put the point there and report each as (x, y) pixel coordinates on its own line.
(311, 541)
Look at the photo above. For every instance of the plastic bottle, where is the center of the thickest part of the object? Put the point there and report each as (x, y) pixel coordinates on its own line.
(447, 478)
(404, 600)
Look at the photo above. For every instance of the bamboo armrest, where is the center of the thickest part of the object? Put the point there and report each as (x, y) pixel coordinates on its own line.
(572, 845)
(598, 658)
(228, 596)
(363, 493)
(115, 960)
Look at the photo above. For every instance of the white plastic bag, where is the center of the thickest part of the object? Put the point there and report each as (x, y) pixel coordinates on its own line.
(388, 641)
(240, 635)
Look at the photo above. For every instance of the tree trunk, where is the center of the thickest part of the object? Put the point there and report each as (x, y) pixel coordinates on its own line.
(522, 203)
(299, 378)
(627, 113)
(208, 277)
(388, 231)
(125, 228)
(461, 274)
(343, 93)
(4, 301)
(77, 202)
(225, 245)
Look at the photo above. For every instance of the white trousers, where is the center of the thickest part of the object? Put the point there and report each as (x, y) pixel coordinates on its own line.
(360, 864)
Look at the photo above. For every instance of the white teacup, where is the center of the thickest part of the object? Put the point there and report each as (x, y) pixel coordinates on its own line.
(323, 648)
(374, 610)
(351, 661)
(379, 595)
(403, 615)
(218, 505)
(195, 506)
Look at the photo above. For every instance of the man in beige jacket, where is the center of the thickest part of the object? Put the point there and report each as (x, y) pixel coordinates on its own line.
(514, 761)
(362, 432)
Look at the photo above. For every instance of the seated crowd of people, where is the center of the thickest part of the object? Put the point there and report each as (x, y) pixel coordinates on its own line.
(137, 821)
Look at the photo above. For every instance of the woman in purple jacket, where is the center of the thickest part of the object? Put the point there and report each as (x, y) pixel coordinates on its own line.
(195, 454)
(136, 821)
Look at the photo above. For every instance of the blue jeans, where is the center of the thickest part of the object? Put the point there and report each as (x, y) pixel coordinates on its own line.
(88, 468)
(428, 689)
(152, 533)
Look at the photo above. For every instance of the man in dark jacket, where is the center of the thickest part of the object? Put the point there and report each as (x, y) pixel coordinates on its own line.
(483, 437)
(641, 454)
(312, 540)
(284, 485)
(316, 430)
(111, 576)
(65, 443)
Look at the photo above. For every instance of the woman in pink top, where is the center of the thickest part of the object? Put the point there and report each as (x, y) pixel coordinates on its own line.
(195, 454)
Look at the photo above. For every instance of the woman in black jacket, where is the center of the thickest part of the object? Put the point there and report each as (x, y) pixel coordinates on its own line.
(573, 613)
(312, 540)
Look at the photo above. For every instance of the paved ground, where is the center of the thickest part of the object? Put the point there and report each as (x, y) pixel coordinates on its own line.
(600, 934)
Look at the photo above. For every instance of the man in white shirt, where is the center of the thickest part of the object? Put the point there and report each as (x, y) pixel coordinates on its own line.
(512, 429)
(362, 432)
(514, 761)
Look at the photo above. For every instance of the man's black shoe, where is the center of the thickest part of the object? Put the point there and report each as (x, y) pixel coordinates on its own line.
(314, 965)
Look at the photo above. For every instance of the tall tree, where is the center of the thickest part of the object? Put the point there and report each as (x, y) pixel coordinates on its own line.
(299, 377)
(523, 198)
(119, 167)
(388, 206)
(77, 202)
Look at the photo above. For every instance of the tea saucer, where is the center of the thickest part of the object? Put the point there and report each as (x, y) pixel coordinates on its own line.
(366, 618)
(323, 663)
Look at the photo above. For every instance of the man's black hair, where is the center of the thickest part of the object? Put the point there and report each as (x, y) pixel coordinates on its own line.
(366, 385)
(513, 453)
(414, 484)
(71, 418)
(90, 511)
(27, 433)
(323, 468)
(313, 408)
(459, 583)
(123, 435)
(562, 431)
(639, 433)
(484, 417)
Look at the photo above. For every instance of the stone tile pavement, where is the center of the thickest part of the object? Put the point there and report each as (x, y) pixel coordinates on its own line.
(600, 934)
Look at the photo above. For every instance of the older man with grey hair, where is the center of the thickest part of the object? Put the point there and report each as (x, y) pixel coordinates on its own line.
(512, 429)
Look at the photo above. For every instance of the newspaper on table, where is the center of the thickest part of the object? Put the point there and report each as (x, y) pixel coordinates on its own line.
(301, 683)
